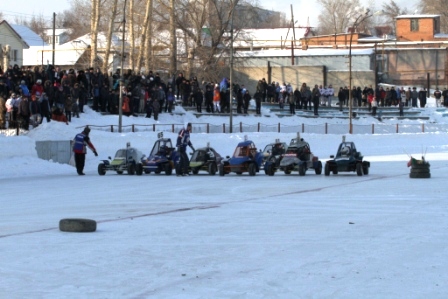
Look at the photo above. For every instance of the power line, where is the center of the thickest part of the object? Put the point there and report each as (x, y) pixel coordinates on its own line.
(24, 15)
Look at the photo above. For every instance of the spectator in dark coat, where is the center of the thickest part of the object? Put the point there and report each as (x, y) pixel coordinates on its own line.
(422, 94)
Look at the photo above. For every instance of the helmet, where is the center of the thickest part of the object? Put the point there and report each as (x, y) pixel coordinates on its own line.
(345, 150)
(86, 130)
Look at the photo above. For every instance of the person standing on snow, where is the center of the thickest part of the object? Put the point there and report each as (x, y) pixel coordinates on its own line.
(82, 141)
(183, 140)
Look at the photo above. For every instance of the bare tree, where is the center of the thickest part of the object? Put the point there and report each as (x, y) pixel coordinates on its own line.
(110, 30)
(390, 11)
(147, 20)
(130, 29)
(338, 15)
(438, 7)
(94, 25)
(173, 39)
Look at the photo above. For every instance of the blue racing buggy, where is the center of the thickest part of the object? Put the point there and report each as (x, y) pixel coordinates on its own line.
(163, 158)
(245, 158)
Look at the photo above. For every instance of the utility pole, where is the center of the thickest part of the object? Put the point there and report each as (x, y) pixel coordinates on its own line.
(54, 37)
(120, 105)
(231, 69)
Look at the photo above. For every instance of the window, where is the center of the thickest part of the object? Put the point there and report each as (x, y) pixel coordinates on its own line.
(15, 55)
(414, 24)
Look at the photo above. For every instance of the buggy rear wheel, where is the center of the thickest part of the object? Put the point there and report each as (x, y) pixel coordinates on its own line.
(168, 169)
(195, 170)
(131, 169)
(221, 170)
(287, 171)
(302, 169)
(359, 169)
(365, 170)
(212, 169)
(139, 169)
(119, 172)
(318, 169)
(252, 169)
(327, 169)
(101, 169)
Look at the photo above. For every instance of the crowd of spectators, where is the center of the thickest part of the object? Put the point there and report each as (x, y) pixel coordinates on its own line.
(30, 95)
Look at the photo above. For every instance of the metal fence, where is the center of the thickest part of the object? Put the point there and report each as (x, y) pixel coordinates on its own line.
(281, 128)
(241, 127)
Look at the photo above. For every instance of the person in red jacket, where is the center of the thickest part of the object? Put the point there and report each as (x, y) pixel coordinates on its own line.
(81, 142)
(37, 89)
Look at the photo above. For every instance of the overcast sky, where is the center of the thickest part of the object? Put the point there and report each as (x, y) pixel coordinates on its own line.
(303, 9)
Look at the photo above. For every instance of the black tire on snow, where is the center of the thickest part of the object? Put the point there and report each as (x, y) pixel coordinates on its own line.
(271, 170)
(139, 169)
(119, 172)
(359, 169)
(195, 170)
(221, 170)
(101, 169)
(318, 169)
(302, 169)
(327, 169)
(252, 169)
(419, 170)
(168, 169)
(77, 225)
(420, 166)
(287, 171)
(365, 170)
(131, 169)
(212, 168)
(419, 175)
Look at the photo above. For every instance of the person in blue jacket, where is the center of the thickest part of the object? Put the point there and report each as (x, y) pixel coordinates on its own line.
(183, 140)
(81, 142)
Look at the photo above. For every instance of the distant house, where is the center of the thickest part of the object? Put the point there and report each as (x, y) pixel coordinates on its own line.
(61, 36)
(11, 38)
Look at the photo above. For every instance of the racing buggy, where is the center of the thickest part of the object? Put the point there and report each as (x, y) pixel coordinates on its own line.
(245, 159)
(162, 158)
(205, 158)
(273, 152)
(347, 159)
(298, 157)
(125, 159)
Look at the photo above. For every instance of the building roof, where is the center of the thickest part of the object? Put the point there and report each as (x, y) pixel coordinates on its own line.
(28, 35)
(416, 16)
(25, 44)
(309, 52)
(267, 38)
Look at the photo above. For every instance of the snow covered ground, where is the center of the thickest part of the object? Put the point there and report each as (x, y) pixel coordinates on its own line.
(342, 236)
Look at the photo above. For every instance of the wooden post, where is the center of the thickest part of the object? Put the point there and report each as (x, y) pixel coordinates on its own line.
(303, 128)
(241, 127)
(133, 128)
(258, 127)
(153, 127)
(423, 128)
(373, 129)
(112, 128)
(396, 129)
(326, 128)
(172, 128)
(208, 128)
(279, 127)
(223, 128)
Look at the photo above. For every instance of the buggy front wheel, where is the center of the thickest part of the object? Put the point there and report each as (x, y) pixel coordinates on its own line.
(101, 169)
